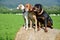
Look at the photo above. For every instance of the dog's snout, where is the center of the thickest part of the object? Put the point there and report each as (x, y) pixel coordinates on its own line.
(17, 7)
(34, 9)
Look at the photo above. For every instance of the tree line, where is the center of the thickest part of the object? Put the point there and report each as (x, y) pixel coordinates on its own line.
(49, 10)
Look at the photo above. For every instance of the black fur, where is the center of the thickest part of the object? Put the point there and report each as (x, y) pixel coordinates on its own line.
(47, 21)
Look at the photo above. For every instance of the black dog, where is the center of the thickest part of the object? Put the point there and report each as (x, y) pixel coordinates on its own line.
(43, 17)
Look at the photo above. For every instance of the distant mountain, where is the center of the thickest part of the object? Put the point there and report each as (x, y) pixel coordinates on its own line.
(15, 3)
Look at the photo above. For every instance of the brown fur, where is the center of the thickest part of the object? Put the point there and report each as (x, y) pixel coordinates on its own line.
(31, 16)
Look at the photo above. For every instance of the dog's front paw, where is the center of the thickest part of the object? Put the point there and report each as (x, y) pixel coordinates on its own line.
(38, 29)
(46, 30)
(30, 27)
(35, 30)
(26, 28)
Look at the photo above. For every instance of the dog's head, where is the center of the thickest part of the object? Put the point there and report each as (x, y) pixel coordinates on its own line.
(21, 7)
(28, 7)
(37, 8)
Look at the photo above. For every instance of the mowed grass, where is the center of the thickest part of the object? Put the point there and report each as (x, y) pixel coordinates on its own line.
(11, 23)
(56, 21)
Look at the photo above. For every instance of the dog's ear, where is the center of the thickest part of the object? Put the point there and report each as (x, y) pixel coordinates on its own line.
(29, 6)
(39, 6)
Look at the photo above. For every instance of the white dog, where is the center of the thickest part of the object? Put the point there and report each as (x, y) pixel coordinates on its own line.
(25, 15)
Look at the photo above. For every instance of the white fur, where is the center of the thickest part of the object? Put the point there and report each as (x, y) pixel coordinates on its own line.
(27, 9)
(25, 15)
(21, 7)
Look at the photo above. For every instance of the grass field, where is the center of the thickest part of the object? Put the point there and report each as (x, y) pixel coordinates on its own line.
(11, 23)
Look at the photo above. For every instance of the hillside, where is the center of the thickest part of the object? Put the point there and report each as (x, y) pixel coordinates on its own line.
(14, 3)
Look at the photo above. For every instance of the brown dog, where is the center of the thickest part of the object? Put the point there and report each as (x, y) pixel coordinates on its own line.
(31, 15)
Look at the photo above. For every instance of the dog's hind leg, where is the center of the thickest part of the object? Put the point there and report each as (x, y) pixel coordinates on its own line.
(46, 26)
(50, 24)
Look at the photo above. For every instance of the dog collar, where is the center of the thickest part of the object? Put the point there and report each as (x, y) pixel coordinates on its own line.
(41, 12)
(24, 11)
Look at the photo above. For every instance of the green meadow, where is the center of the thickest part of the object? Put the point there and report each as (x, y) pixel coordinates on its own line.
(11, 23)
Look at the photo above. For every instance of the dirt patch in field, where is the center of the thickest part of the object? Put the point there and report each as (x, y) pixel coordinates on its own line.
(52, 34)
